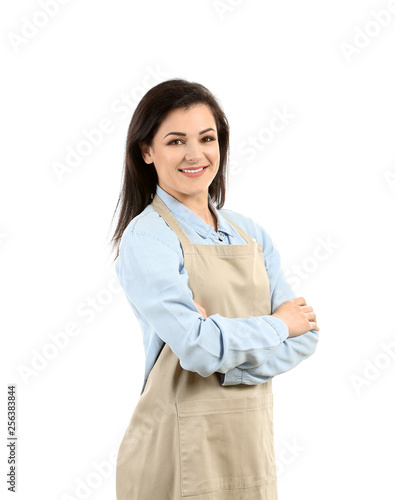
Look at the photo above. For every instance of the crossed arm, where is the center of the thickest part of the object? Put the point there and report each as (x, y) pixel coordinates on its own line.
(292, 350)
(155, 284)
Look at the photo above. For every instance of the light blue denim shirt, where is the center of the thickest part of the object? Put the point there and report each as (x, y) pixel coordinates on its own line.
(150, 268)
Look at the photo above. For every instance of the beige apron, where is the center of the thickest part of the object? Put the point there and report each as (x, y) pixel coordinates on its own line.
(189, 436)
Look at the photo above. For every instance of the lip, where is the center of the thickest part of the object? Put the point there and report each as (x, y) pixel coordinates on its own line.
(194, 174)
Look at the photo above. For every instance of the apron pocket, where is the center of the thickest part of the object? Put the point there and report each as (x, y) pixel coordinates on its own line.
(226, 444)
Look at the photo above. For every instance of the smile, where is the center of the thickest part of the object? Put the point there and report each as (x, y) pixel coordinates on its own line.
(193, 172)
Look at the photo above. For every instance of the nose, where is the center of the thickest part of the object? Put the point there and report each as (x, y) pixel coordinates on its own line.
(194, 153)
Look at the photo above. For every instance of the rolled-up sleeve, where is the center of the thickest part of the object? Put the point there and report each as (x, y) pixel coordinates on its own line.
(155, 283)
(293, 350)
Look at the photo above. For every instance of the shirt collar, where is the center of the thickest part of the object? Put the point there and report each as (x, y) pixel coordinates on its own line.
(188, 216)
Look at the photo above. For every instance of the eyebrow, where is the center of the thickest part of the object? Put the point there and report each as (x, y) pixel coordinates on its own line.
(184, 135)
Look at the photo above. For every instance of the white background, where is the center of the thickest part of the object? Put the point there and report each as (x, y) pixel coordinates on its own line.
(329, 176)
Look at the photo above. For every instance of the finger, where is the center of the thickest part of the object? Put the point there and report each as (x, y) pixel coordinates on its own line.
(299, 301)
(314, 326)
(306, 309)
(311, 316)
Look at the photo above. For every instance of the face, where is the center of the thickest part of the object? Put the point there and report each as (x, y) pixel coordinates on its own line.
(185, 140)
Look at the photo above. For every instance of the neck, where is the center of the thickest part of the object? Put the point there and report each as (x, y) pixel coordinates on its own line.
(198, 203)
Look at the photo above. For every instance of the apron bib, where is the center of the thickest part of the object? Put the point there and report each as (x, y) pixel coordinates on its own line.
(189, 436)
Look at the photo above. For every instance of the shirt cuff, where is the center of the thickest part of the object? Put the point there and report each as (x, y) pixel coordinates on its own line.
(233, 377)
(279, 325)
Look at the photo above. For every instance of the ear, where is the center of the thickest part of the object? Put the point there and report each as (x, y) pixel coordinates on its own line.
(146, 152)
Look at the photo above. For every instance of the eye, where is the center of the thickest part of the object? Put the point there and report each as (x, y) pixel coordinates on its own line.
(175, 140)
(208, 137)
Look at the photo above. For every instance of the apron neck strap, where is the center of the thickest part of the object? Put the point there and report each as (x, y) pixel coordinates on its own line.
(246, 236)
(163, 210)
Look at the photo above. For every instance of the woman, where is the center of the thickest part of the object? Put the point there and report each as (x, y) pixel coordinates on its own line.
(219, 320)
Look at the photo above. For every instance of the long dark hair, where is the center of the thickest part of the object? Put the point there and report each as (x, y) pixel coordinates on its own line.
(139, 179)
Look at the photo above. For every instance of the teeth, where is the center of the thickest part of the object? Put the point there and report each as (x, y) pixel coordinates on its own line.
(192, 171)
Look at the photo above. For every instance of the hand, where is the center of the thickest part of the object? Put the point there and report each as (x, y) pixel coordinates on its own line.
(201, 309)
(298, 316)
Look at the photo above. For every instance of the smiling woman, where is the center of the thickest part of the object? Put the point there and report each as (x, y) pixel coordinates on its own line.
(218, 317)
(192, 123)
(194, 155)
